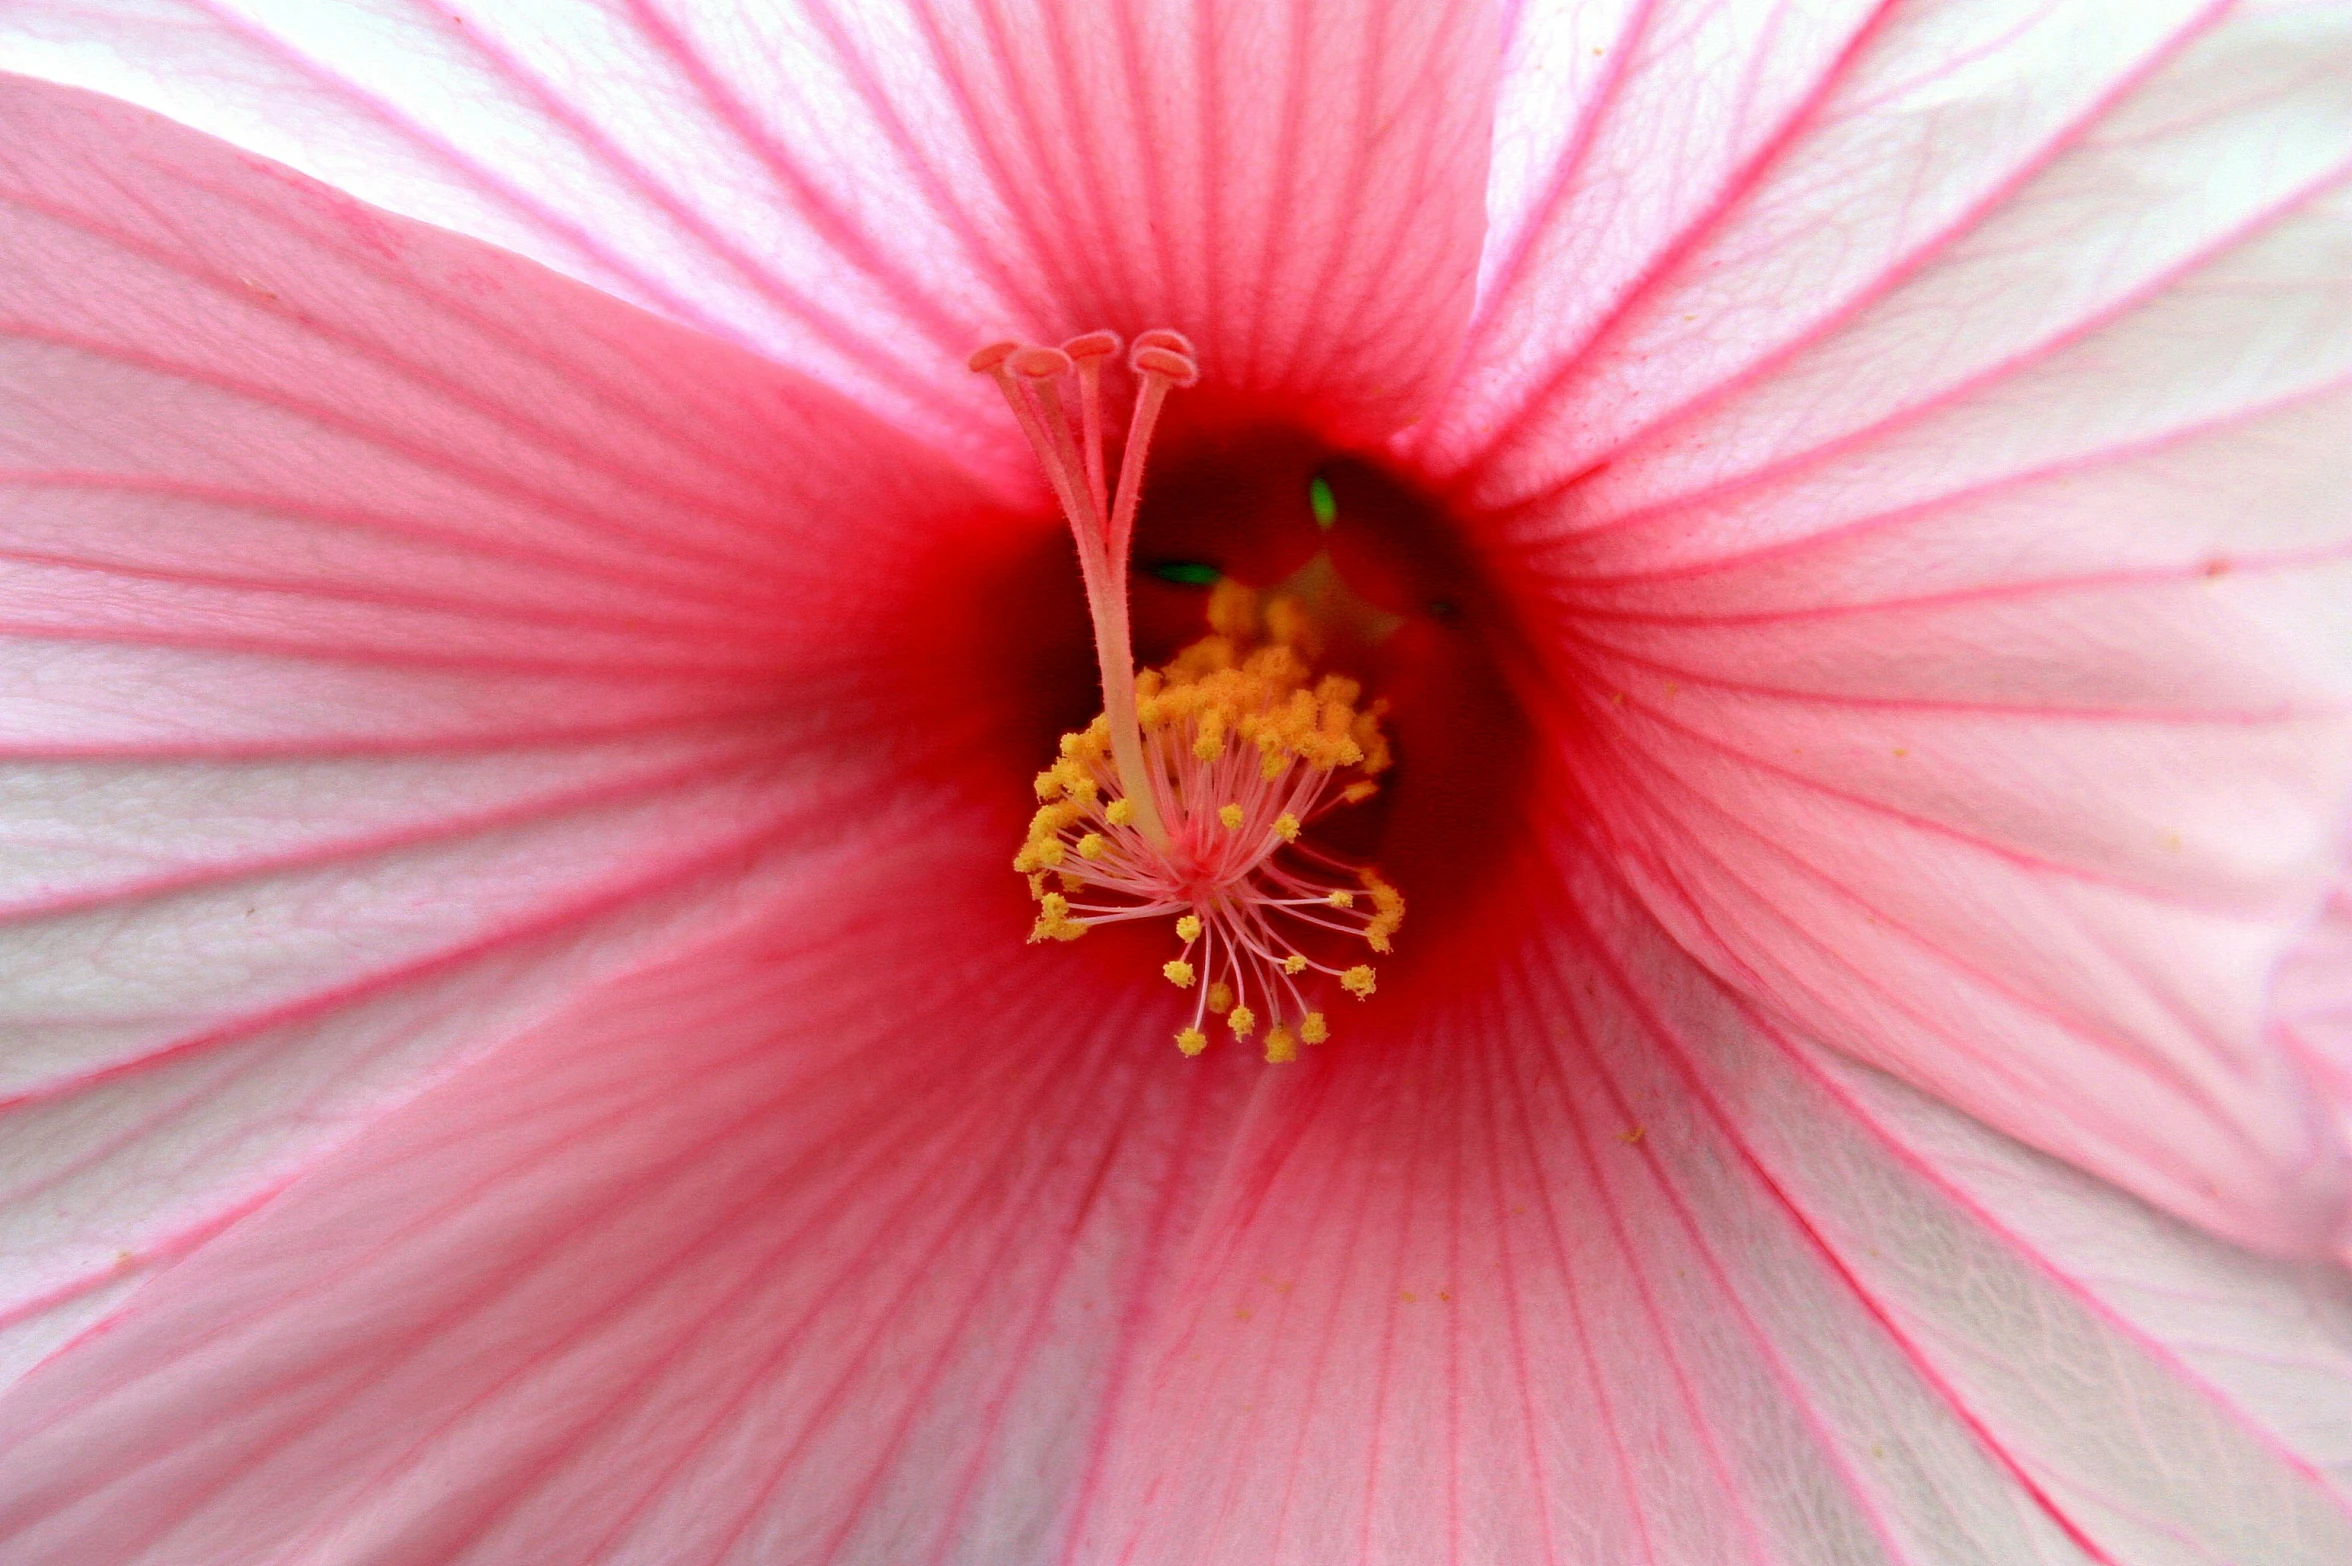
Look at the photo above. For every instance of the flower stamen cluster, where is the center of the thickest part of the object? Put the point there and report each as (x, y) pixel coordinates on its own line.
(1190, 796)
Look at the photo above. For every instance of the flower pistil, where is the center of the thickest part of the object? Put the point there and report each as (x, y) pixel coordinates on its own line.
(1192, 795)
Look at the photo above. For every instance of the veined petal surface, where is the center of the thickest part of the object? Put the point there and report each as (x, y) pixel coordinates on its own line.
(786, 1249)
(1958, 577)
(869, 191)
(393, 639)
(1606, 1269)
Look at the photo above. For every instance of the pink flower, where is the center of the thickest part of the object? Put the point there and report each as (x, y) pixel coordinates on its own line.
(524, 679)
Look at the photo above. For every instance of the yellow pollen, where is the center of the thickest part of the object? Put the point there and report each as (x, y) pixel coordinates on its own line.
(1240, 718)
(1053, 920)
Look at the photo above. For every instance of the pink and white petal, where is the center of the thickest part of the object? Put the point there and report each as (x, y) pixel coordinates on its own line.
(2192, 224)
(811, 1243)
(867, 191)
(1621, 128)
(1997, 730)
(2311, 1007)
(1595, 1270)
(1840, 155)
(391, 639)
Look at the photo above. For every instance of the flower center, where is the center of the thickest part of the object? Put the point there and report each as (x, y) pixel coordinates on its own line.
(1192, 796)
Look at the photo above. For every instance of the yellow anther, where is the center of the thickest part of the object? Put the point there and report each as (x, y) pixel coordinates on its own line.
(1053, 920)
(1288, 623)
(1233, 609)
(1240, 701)
(1052, 818)
(1388, 906)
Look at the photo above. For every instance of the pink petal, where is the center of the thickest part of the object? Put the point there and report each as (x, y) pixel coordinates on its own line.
(796, 1248)
(869, 191)
(1965, 638)
(2311, 1011)
(1603, 1271)
(395, 644)
(810, 1244)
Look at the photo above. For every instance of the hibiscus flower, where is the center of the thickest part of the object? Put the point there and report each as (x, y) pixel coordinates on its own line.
(528, 653)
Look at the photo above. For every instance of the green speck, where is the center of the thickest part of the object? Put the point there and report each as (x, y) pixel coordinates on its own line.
(1319, 500)
(1186, 573)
